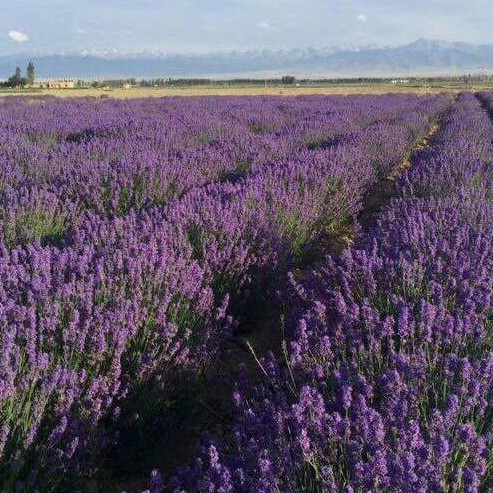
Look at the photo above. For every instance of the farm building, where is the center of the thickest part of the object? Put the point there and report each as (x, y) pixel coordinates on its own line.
(56, 84)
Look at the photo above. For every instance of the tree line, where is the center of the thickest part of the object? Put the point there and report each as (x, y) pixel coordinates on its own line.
(18, 80)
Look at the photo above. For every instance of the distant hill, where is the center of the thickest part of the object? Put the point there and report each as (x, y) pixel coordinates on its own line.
(422, 57)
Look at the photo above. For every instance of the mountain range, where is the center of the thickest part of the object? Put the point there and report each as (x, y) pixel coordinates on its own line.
(422, 57)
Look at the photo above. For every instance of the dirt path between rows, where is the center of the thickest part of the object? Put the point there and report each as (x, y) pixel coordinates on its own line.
(384, 190)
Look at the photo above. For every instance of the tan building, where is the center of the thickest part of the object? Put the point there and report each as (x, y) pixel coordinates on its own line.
(56, 84)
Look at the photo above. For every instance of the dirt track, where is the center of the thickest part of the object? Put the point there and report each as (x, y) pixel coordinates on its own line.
(221, 90)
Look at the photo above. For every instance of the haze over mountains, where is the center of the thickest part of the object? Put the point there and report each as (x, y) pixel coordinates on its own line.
(422, 57)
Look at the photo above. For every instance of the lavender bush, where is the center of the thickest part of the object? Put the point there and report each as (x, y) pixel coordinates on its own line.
(386, 385)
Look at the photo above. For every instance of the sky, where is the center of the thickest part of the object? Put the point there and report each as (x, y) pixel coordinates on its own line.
(196, 26)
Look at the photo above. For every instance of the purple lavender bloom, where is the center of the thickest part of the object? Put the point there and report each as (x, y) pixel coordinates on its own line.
(131, 233)
(388, 380)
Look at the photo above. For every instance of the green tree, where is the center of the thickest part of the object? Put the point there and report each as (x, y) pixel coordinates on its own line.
(288, 79)
(30, 73)
(17, 80)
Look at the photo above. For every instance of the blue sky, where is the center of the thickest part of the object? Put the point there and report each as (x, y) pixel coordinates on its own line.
(56, 26)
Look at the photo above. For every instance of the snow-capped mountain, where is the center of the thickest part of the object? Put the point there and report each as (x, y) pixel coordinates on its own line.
(422, 57)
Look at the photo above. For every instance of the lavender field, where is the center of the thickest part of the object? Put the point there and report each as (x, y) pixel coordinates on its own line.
(140, 240)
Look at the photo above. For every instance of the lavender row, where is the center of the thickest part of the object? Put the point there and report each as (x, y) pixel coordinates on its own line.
(387, 385)
(61, 159)
(446, 168)
(125, 306)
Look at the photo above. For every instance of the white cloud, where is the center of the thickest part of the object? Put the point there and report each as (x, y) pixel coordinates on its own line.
(362, 18)
(18, 36)
(79, 30)
(264, 25)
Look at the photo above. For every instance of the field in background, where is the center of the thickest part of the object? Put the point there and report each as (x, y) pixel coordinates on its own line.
(247, 90)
